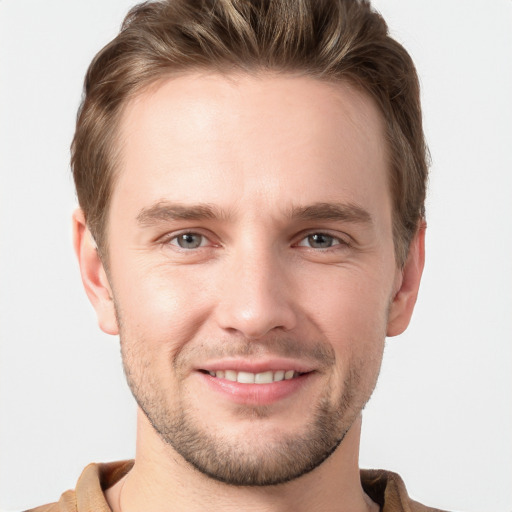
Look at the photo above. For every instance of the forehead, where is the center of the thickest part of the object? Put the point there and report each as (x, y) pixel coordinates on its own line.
(264, 140)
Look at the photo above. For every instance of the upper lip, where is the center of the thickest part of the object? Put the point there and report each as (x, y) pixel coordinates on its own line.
(256, 366)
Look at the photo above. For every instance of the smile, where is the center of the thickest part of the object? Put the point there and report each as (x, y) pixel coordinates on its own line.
(263, 386)
(255, 378)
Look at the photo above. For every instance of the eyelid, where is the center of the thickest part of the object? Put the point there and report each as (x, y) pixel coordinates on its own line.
(342, 238)
(173, 235)
(202, 243)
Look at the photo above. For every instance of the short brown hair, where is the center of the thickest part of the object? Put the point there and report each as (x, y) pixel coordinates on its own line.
(327, 39)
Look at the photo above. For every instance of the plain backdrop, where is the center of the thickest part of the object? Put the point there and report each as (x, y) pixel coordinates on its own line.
(442, 412)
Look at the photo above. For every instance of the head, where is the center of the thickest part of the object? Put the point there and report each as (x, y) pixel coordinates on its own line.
(332, 41)
(253, 174)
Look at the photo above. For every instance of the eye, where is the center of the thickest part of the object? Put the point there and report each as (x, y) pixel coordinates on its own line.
(320, 241)
(189, 240)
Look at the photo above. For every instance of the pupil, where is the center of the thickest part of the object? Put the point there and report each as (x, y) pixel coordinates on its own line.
(189, 241)
(321, 241)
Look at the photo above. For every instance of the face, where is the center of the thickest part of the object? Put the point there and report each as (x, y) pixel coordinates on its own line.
(252, 268)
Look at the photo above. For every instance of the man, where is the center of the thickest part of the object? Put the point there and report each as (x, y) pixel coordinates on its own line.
(251, 179)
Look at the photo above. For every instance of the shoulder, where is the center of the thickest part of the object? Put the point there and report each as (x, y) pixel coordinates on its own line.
(67, 503)
(88, 494)
(388, 490)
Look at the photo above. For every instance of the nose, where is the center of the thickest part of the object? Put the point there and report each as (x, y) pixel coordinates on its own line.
(255, 295)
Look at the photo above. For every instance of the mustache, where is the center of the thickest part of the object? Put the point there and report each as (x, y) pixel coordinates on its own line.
(322, 354)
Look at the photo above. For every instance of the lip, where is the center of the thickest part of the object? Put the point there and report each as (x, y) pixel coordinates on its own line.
(254, 394)
(259, 366)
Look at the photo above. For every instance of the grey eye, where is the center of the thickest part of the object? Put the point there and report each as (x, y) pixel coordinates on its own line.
(189, 240)
(319, 241)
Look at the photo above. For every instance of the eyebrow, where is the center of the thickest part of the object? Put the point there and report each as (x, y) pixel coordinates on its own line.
(168, 211)
(346, 212)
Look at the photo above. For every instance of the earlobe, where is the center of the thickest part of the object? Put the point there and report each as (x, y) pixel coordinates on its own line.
(94, 277)
(404, 300)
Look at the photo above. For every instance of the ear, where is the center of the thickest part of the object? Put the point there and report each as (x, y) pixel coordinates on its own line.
(408, 283)
(94, 277)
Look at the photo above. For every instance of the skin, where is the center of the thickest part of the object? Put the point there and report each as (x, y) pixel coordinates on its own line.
(266, 154)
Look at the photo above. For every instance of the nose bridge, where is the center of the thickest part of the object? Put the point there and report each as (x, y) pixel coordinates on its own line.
(256, 296)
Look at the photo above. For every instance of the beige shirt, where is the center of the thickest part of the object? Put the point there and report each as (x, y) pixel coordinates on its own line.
(384, 488)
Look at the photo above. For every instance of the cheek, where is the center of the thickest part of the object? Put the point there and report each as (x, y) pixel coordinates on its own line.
(349, 303)
(161, 304)
(350, 310)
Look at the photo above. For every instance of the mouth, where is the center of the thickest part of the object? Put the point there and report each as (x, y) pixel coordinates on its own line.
(261, 387)
(265, 377)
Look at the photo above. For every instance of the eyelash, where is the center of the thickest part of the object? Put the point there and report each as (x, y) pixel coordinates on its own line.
(337, 240)
(168, 239)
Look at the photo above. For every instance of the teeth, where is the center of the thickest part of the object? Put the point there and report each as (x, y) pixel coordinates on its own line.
(245, 378)
(255, 378)
(279, 375)
(264, 378)
(230, 375)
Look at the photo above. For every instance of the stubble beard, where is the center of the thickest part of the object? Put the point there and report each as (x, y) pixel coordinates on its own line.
(260, 462)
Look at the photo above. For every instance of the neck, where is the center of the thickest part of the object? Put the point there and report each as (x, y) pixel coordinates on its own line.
(161, 480)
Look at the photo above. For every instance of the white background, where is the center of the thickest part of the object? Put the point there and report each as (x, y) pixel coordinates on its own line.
(442, 412)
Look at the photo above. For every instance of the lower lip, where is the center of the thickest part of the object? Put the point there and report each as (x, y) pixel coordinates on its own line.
(256, 394)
